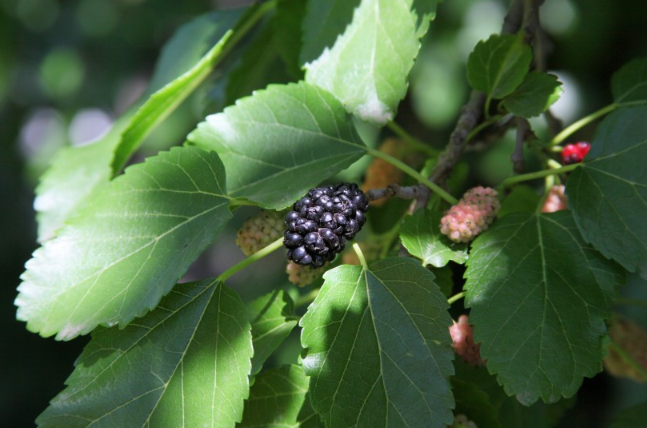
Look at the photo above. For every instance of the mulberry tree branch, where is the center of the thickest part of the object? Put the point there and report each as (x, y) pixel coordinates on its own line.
(470, 116)
(523, 132)
(394, 190)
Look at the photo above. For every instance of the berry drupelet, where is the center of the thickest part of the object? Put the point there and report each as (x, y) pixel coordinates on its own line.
(321, 222)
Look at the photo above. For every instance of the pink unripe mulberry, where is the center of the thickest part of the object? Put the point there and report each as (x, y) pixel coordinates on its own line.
(462, 334)
(472, 215)
(555, 201)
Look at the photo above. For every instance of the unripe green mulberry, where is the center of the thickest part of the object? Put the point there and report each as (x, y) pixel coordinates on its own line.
(302, 275)
(259, 231)
(472, 215)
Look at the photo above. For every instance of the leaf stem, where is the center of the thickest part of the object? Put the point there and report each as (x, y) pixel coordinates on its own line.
(411, 140)
(482, 125)
(538, 174)
(413, 173)
(143, 122)
(566, 132)
(456, 297)
(306, 298)
(360, 255)
(628, 359)
(486, 107)
(634, 302)
(234, 203)
(552, 163)
(251, 259)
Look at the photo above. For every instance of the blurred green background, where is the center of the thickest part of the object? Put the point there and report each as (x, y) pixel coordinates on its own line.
(69, 68)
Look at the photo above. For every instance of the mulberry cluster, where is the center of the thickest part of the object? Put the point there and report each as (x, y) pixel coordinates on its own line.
(472, 215)
(322, 221)
(631, 337)
(575, 153)
(259, 231)
(555, 201)
(462, 334)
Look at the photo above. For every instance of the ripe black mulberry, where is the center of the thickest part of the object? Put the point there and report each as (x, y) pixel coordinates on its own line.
(321, 223)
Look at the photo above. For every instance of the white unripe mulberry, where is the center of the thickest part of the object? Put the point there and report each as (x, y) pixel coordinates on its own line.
(302, 275)
(259, 231)
(461, 421)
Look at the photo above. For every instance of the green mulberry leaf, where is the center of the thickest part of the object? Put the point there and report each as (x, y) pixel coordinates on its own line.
(127, 247)
(272, 318)
(323, 22)
(259, 66)
(420, 234)
(288, 37)
(368, 66)
(474, 403)
(608, 192)
(184, 364)
(79, 172)
(539, 297)
(629, 84)
(511, 414)
(535, 95)
(165, 100)
(498, 65)
(281, 142)
(378, 348)
(279, 399)
(522, 199)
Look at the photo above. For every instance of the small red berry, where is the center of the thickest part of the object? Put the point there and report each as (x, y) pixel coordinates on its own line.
(574, 153)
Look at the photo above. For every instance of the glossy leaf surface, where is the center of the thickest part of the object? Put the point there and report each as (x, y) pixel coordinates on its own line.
(535, 95)
(629, 84)
(368, 65)
(539, 296)
(377, 347)
(608, 193)
(498, 65)
(281, 142)
(420, 234)
(184, 364)
(128, 246)
(278, 399)
(272, 318)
